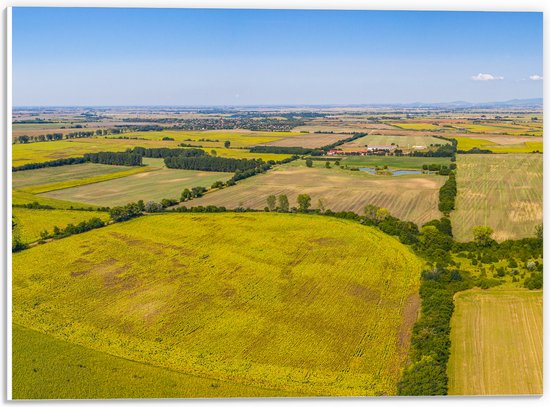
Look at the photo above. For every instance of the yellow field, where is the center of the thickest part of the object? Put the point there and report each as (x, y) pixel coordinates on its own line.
(298, 303)
(496, 338)
(23, 198)
(31, 222)
(504, 129)
(467, 143)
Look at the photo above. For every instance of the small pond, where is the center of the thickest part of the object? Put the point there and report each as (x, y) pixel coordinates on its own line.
(372, 171)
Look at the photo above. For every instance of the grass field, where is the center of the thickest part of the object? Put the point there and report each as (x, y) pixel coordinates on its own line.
(31, 222)
(40, 176)
(303, 303)
(503, 191)
(386, 140)
(154, 185)
(393, 161)
(242, 153)
(127, 171)
(23, 198)
(497, 345)
(408, 197)
(46, 368)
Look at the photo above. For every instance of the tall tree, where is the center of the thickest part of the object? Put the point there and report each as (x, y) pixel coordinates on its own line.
(271, 202)
(283, 203)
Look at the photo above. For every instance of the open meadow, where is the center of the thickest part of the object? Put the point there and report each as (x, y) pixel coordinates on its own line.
(413, 198)
(304, 304)
(496, 343)
(147, 186)
(402, 142)
(31, 222)
(503, 191)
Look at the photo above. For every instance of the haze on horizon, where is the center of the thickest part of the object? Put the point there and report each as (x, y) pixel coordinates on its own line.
(146, 57)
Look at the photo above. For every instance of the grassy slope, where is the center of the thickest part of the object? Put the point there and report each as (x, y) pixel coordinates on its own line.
(503, 191)
(497, 345)
(153, 185)
(294, 302)
(33, 221)
(45, 368)
(23, 198)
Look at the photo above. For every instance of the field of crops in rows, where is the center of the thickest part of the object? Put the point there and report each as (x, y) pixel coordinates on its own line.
(407, 141)
(303, 303)
(503, 191)
(496, 343)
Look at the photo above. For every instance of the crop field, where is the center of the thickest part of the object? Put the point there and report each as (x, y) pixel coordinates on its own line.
(416, 126)
(238, 138)
(31, 222)
(501, 144)
(408, 197)
(386, 140)
(154, 185)
(503, 191)
(243, 153)
(304, 304)
(309, 140)
(496, 343)
(45, 367)
(393, 161)
(23, 198)
(504, 129)
(49, 175)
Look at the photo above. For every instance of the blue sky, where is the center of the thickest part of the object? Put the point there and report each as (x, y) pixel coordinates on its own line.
(94, 56)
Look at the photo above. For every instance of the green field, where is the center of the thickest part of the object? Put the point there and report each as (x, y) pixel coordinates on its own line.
(153, 185)
(299, 303)
(414, 163)
(23, 198)
(409, 197)
(503, 191)
(31, 222)
(40, 176)
(497, 345)
(46, 368)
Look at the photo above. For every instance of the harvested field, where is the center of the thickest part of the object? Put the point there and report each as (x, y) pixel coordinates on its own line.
(503, 191)
(413, 198)
(496, 343)
(311, 140)
(386, 140)
(154, 185)
(162, 290)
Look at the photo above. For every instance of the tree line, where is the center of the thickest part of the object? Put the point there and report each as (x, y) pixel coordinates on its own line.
(211, 163)
(111, 158)
(286, 150)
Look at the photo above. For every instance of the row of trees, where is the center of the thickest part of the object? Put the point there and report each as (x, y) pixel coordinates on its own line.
(447, 194)
(281, 204)
(111, 158)
(71, 229)
(210, 163)
(164, 152)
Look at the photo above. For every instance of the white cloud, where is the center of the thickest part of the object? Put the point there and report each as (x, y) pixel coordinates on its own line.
(487, 77)
(535, 78)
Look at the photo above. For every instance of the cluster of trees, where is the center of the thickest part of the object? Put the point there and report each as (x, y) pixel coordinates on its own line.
(195, 192)
(447, 194)
(208, 208)
(127, 212)
(430, 344)
(71, 229)
(165, 152)
(111, 158)
(439, 168)
(210, 163)
(286, 150)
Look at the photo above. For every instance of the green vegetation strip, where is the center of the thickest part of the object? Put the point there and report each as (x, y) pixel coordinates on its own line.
(38, 189)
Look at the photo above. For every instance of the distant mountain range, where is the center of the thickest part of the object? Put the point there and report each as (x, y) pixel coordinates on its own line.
(535, 102)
